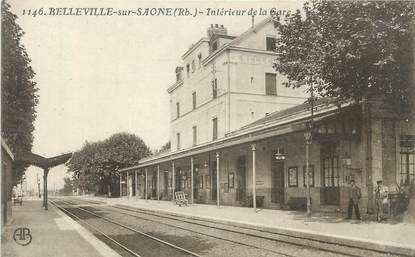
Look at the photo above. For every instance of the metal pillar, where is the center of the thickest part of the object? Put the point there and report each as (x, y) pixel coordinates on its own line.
(120, 184)
(127, 183)
(191, 179)
(217, 180)
(45, 188)
(253, 147)
(307, 145)
(136, 184)
(146, 185)
(158, 183)
(173, 186)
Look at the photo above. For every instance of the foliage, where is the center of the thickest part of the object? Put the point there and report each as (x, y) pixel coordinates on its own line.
(96, 165)
(18, 90)
(68, 186)
(348, 50)
(165, 148)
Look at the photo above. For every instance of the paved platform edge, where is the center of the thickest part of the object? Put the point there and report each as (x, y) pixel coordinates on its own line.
(298, 233)
(97, 244)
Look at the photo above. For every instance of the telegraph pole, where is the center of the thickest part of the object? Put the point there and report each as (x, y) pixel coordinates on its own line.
(38, 184)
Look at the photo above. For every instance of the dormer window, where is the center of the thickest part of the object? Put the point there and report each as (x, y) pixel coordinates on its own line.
(271, 43)
(199, 57)
(215, 88)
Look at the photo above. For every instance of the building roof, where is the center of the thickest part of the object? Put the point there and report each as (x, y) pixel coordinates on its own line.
(276, 124)
(237, 39)
(6, 148)
(194, 46)
(278, 115)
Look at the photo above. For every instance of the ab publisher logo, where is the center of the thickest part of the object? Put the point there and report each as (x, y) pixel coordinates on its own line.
(22, 236)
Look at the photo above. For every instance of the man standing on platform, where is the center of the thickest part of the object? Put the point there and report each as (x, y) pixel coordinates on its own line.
(354, 197)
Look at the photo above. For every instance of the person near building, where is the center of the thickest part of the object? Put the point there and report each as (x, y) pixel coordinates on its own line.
(354, 197)
(381, 198)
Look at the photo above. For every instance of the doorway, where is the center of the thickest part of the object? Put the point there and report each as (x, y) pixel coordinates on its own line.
(214, 186)
(196, 181)
(330, 170)
(277, 180)
(241, 179)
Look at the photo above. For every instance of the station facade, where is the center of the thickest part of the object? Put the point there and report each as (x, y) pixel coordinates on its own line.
(234, 138)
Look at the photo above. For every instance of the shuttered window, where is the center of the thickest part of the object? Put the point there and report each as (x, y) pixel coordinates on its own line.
(271, 43)
(270, 84)
(194, 135)
(215, 128)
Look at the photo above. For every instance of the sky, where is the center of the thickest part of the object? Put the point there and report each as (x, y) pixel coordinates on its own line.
(99, 75)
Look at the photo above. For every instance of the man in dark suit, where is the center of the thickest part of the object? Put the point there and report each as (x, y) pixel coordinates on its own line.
(354, 197)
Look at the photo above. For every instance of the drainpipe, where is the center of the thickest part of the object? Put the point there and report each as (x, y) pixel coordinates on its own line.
(217, 180)
(253, 148)
(191, 178)
(173, 186)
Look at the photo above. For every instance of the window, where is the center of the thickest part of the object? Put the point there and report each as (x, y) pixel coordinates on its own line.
(270, 84)
(215, 128)
(215, 88)
(194, 135)
(187, 69)
(331, 171)
(194, 100)
(311, 174)
(207, 182)
(231, 180)
(199, 57)
(178, 141)
(177, 110)
(193, 66)
(292, 177)
(407, 156)
(271, 41)
(201, 182)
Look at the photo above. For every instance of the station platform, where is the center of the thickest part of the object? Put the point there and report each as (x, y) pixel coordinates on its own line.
(333, 228)
(52, 234)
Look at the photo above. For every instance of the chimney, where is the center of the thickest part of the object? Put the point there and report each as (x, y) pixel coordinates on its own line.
(178, 71)
(216, 30)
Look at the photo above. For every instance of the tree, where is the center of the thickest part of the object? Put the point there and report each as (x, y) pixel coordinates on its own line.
(18, 90)
(348, 50)
(96, 166)
(165, 148)
(68, 186)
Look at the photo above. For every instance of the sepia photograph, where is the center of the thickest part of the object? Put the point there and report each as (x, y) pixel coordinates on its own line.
(228, 128)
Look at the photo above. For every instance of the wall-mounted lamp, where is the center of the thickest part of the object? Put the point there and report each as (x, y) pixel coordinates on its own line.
(278, 155)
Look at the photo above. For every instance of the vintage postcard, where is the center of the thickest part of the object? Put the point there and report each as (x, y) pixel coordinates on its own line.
(207, 128)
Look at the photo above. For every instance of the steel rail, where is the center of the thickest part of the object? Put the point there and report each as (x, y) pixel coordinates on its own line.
(94, 228)
(201, 233)
(137, 231)
(173, 217)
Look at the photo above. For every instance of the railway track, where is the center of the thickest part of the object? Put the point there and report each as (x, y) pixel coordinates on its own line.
(140, 237)
(208, 228)
(158, 222)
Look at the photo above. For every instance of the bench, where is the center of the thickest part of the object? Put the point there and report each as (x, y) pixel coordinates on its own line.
(180, 198)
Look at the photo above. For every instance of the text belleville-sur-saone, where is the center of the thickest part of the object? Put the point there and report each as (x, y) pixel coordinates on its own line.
(166, 11)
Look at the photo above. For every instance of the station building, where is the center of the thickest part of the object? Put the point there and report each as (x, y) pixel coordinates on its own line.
(238, 134)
